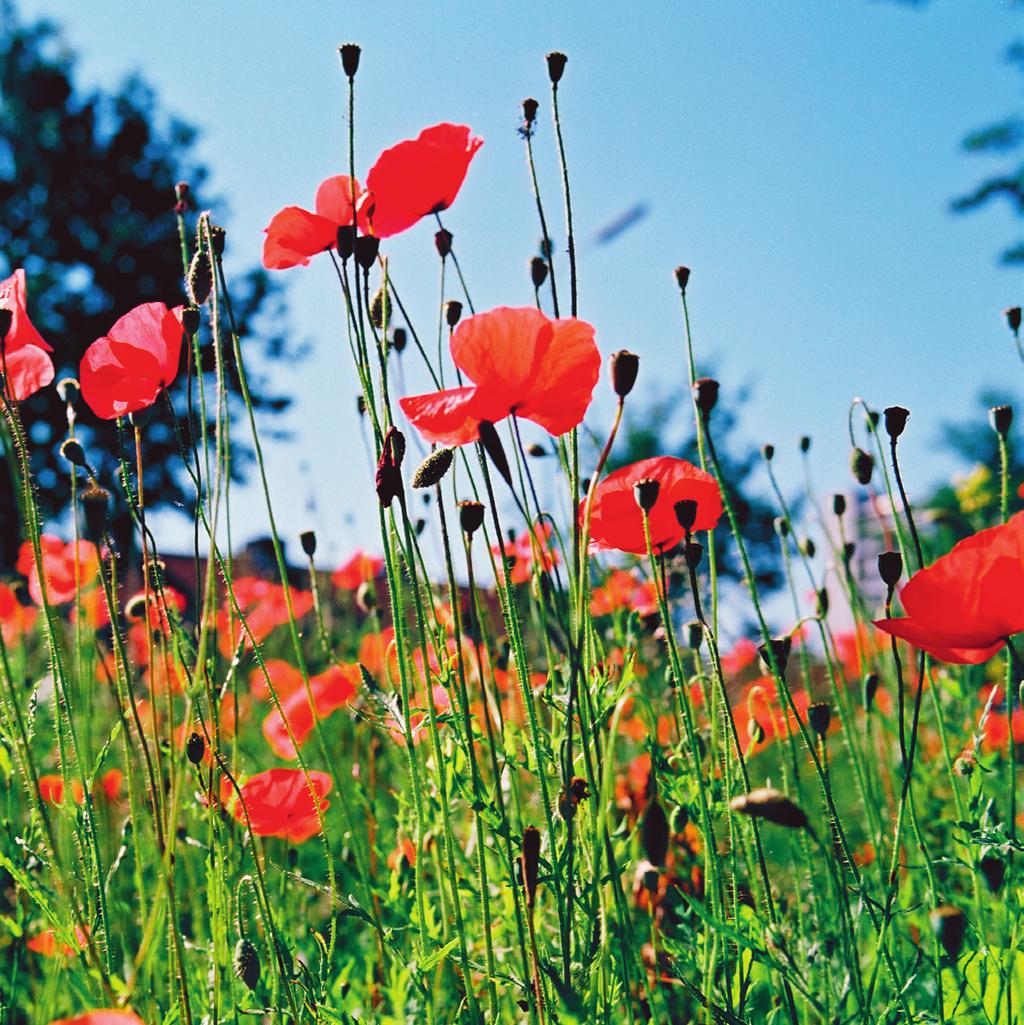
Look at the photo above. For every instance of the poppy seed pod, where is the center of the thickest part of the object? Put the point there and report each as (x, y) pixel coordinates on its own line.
(645, 492)
(218, 239)
(1012, 315)
(195, 748)
(538, 271)
(96, 508)
(190, 320)
(655, 834)
(819, 715)
(443, 242)
(993, 868)
(625, 367)
(694, 553)
(556, 66)
(345, 241)
(771, 805)
(399, 339)
(686, 513)
(862, 465)
(705, 394)
(839, 504)
(73, 452)
(530, 863)
(949, 925)
(492, 445)
(768, 452)
(890, 568)
(779, 649)
(694, 635)
(246, 964)
(895, 420)
(869, 690)
(805, 443)
(433, 468)
(349, 60)
(365, 249)
(308, 541)
(452, 312)
(1001, 419)
(682, 277)
(530, 106)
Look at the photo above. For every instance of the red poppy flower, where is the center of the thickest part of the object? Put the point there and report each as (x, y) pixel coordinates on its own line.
(279, 803)
(127, 368)
(331, 690)
(59, 568)
(16, 619)
(964, 605)
(102, 1017)
(519, 361)
(358, 569)
(616, 521)
(25, 359)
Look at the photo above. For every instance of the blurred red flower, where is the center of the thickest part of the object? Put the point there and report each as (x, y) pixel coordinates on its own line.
(743, 653)
(283, 675)
(51, 789)
(59, 568)
(15, 619)
(128, 368)
(45, 943)
(356, 570)
(623, 589)
(279, 803)
(616, 521)
(522, 552)
(102, 1017)
(964, 606)
(264, 606)
(331, 690)
(25, 361)
(520, 361)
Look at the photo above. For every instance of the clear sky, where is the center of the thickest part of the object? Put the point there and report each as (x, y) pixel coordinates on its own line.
(799, 156)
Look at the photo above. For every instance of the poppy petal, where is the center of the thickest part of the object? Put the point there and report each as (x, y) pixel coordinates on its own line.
(14, 297)
(939, 643)
(334, 199)
(29, 369)
(501, 349)
(294, 235)
(443, 417)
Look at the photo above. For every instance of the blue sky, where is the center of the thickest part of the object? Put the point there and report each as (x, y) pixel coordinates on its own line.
(800, 157)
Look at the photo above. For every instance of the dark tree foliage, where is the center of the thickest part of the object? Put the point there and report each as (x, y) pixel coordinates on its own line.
(87, 185)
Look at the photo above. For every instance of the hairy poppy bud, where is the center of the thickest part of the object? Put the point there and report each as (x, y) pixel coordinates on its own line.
(96, 508)
(538, 271)
(755, 731)
(862, 465)
(771, 805)
(492, 445)
(308, 541)
(694, 553)
(195, 748)
(73, 452)
(350, 65)
(993, 868)
(433, 468)
(190, 320)
(645, 493)
(537, 451)
(870, 689)
(380, 308)
(890, 568)
(452, 312)
(1001, 419)
(782, 526)
(768, 451)
(530, 106)
(682, 277)
(949, 925)
(819, 715)
(246, 964)
(200, 278)
(805, 443)
(345, 240)
(471, 516)
(388, 478)
(655, 833)
(556, 66)
(398, 339)
(822, 602)
(1012, 315)
(366, 248)
(443, 242)
(694, 635)
(705, 392)
(839, 504)
(779, 649)
(530, 860)
(895, 420)
(135, 608)
(625, 366)
(686, 513)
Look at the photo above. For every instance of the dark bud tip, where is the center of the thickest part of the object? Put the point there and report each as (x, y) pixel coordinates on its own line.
(890, 568)
(823, 602)
(862, 465)
(96, 509)
(530, 862)
(246, 964)
(73, 452)
(399, 339)
(471, 517)
(768, 451)
(1001, 419)
(308, 541)
(705, 394)
(950, 926)
(536, 451)
(530, 107)
(808, 547)
(694, 635)
(432, 470)
(360, 405)
(805, 443)
(848, 551)
(694, 553)
(686, 513)
(443, 242)
(782, 526)
(870, 689)
(645, 492)
(495, 450)
(349, 53)
(195, 748)
(772, 806)
(896, 418)
(682, 278)
(538, 271)
(1012, 315)
(819, 715)
(556, 66)
(839, 504)
(625, 367)
(656, 834)
(345, 240)
(365, 250)
(779, 649)
(452, 312)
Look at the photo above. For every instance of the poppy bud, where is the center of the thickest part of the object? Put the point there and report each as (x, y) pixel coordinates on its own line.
(822, 602)
(200, 278)
(195, 748)
(67, 388)
(529, 112)
(949, 925)
(755, 731)
(768, 451)
(96, 507)
(848, 550)
(862, 465)
(890, 568)
(870, 689)
(380, 308)
(645, 493)
(190, 320)
(433, 468)
(135, 608)
(398, 339)
(388, 478)
(625, 366)
(419, 526)
(819, 715)
(1012, 315)
(360, 405)
(246, 963)
(779, 648)
(73, 452)
(308, 541)
(808, 548)
(495, 450)
(183, 197)
(682, 277)
(556, 66)
(538, 271)
(839, 504)
(471, 516)
(1001, 419)
(705, 392)
(895, 420)
(993, 868)
(443, 242)
(350, 65)
(530, 863)
(345, 240)
(686, 513)
(452, 312)
(782, 526)
(366, 597)
(694, 635)
(537, 451)
(366, 248)
(655, 833)
(772, 805)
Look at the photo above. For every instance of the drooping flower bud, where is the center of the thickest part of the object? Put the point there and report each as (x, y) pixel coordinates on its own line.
(862, 465)
(471, 516)
(366, 249)
(779, 649)
(96, 509)
(433, 468)
(73, 452)
(452, 312)
(538, 271)
(782, 527)
(1001, 419)
(686, 513)
(308, 541)
(388, 478)
(819, 715)
(655, 833)
(246, 964)
(870, 689)
(771, 805)
(443, 242)
(68, 389)
(645, 493)
(895, 420)
(1012, 315)
(950, 926)
(682, 277)
(195, 748)
(755, 731)
(530, 859)
(993, 868)
(705, 392)
(556, 66)
(625, 367)
(495, 450)
(890, 568)
(349, 53)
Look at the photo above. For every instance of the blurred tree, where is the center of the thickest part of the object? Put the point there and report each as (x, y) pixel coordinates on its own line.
(87, 184)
